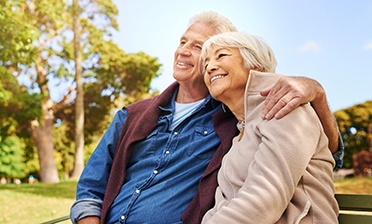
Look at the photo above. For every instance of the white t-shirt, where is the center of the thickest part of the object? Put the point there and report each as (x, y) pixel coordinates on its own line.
(183, 111)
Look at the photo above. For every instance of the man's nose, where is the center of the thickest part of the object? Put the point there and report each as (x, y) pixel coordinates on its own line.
(185, 50)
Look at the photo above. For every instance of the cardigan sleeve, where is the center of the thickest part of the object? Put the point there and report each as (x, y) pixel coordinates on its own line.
(286, 147)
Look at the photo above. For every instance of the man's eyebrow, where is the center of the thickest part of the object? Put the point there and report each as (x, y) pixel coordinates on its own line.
(199, 42)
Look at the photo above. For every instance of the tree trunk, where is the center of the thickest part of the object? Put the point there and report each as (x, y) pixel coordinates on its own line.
(79, 101)
(42, 130)
(42, 134)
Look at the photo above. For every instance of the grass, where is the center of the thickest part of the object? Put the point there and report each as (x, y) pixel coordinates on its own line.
(354, 185)
(37, 203)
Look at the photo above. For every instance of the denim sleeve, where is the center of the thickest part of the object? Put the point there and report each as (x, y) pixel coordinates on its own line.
(93, 181)
(339, 155)
(84, 208)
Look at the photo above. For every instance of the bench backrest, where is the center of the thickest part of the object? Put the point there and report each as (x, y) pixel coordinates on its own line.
(354, 208)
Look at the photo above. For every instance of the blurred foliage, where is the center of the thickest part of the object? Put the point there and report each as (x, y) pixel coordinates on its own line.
(11, 161)
(64, 149)
(36, 58)
(355, 124)
(17, 34)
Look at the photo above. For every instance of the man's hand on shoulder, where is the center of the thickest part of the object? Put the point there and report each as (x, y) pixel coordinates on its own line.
(288, 93)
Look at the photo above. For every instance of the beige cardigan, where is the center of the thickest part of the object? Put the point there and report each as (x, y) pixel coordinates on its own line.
(279, 172)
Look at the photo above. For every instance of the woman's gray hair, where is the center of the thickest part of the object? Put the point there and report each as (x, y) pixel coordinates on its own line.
(214, 20)
(256, 53)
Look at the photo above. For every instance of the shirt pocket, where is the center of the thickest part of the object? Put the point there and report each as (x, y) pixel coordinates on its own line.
(204, 142)
(145, 148)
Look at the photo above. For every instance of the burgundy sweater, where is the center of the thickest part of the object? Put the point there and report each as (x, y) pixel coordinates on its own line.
(141, 120)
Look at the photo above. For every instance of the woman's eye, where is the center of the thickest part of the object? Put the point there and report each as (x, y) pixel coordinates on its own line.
(222, 55)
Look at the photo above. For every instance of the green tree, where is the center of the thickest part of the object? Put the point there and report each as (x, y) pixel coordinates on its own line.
(11, 160)
(79, 100)
(108, 73)
(17, 36)
(17, 106)
(65, 150)
(355, 125)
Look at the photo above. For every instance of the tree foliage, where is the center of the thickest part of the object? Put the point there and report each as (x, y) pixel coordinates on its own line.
(17, 36)
(36, 62)
(11, 160)
(17, 107)
(355, 125)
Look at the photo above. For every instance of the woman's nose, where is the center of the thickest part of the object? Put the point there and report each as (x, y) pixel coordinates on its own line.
(211, 68)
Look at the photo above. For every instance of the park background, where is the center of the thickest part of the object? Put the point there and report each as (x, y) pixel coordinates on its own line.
(127, 55)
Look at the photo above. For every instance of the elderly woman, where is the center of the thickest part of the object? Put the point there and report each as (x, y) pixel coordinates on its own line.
(277, 171)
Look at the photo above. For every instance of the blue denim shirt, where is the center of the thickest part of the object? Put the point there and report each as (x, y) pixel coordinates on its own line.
(162, 174)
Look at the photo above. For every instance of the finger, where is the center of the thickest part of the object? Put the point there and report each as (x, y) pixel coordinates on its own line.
(275, 109)
(266, 91)
(273, 95)
(291, 105)
(274, 102)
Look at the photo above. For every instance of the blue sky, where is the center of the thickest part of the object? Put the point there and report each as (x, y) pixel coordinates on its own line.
(330, 41)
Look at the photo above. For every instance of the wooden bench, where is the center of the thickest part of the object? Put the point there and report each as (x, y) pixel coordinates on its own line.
(354, 208)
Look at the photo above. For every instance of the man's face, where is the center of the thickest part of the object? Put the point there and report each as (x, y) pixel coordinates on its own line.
(187, 66)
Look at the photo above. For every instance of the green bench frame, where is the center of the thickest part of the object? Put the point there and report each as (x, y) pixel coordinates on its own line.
(61, 219)
(354, 208)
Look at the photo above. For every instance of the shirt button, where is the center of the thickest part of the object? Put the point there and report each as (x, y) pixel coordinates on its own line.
(205, 132)
(155, 172)
(175, 133)
(167, 152)
(122, 217)
(137, 191)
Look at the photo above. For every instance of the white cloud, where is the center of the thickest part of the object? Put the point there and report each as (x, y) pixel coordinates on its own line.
(309, 46)
(368, 46)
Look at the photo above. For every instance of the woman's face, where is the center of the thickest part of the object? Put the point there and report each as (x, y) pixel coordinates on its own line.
(225, 74)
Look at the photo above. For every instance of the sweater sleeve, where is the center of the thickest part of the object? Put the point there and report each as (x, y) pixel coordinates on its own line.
(285, 150)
